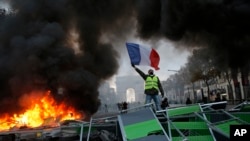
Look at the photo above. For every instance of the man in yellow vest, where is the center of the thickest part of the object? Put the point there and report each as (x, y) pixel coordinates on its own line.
(152, 87)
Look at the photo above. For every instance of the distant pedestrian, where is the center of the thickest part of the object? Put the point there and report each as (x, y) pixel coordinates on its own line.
(119, 105)
(217, 99)
(106, 108)
(188, 101)
(224, 98)
(125, 106)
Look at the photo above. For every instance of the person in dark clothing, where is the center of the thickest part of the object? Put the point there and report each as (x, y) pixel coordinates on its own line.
(152, 87)
(106, 108)
(119, 105)
(217, 99)
(125, 106)
(188, 101)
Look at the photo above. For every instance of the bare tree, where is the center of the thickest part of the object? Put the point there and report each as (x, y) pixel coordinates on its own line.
(201, 67)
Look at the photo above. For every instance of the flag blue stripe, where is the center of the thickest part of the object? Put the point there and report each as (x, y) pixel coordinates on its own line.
(134, 53)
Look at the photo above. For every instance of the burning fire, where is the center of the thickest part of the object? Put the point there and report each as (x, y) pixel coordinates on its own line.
(40, 109)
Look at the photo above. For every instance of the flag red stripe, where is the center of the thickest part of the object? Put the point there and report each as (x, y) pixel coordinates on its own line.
(155, 59)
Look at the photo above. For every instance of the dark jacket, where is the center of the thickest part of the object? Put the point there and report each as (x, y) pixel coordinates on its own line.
(188, 101)
(152, 91)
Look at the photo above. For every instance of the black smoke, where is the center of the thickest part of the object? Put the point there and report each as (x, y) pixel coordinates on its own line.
(35, 51)
(221, 25)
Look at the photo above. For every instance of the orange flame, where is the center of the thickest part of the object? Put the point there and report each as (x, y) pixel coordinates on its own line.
(41, 109)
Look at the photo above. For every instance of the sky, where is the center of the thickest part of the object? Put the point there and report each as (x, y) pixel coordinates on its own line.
(4, 5)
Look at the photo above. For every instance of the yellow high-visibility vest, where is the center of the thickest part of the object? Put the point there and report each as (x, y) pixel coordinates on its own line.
(151, 82)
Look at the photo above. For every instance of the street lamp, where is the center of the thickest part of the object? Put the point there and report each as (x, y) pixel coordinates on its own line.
(174, 70)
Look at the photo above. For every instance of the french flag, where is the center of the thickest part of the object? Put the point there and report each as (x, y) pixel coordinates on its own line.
(143, 55)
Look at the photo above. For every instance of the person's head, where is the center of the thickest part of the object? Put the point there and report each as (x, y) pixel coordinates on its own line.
(150, 72)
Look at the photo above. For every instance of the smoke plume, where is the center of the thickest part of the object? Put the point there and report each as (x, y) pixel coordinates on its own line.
(48, 44)
(221, 25)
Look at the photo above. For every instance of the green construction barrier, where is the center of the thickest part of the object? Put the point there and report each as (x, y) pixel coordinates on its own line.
(225, 126)
(141, 129)
(183, 110)
(242, 115)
